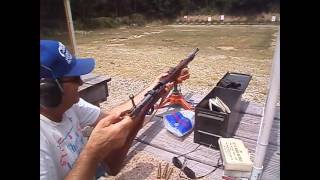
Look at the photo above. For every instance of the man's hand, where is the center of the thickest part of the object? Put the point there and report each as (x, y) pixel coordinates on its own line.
(110, 133)
(184, 75)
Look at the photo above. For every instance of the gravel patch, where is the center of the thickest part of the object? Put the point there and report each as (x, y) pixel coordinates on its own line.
(143, 165)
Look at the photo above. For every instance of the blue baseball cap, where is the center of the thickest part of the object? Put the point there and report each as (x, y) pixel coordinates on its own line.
(59, 62)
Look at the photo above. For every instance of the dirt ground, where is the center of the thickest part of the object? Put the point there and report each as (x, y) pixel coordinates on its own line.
(133, 57)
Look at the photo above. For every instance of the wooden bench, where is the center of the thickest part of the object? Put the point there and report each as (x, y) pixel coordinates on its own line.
(94, 88)
(156, 140)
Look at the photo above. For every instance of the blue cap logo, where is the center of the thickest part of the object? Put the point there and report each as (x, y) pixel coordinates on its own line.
(65, 53)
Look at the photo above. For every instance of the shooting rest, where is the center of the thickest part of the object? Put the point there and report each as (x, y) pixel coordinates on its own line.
(175, 98)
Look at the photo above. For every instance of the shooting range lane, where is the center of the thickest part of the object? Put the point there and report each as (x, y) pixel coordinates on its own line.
(155, 139)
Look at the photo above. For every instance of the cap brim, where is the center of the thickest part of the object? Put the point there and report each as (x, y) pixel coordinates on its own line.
(82, 66)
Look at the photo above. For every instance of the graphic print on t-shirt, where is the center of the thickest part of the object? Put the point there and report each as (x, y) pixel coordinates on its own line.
(69, 145)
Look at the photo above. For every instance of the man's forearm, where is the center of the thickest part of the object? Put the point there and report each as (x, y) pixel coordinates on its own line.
(114, 160)
(84, 168)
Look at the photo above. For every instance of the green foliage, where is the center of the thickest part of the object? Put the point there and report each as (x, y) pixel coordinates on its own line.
(125, 20)
(137, 19)
(94, 23)
(112, 13)
(108, 22)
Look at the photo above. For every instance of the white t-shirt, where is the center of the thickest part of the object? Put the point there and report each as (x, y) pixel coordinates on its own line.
(61, 143)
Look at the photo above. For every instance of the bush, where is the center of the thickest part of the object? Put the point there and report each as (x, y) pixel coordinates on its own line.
(137, 19)
(94, 23)
(108, 22)
(78, 24)
(125, 20)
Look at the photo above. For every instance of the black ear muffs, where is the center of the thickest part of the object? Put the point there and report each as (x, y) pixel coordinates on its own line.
(50, 93)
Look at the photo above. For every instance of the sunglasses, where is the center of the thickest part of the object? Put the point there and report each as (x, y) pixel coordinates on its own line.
(187, 171)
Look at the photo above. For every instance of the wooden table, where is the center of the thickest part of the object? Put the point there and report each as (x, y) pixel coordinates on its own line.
(94, 88)
(156, 140)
